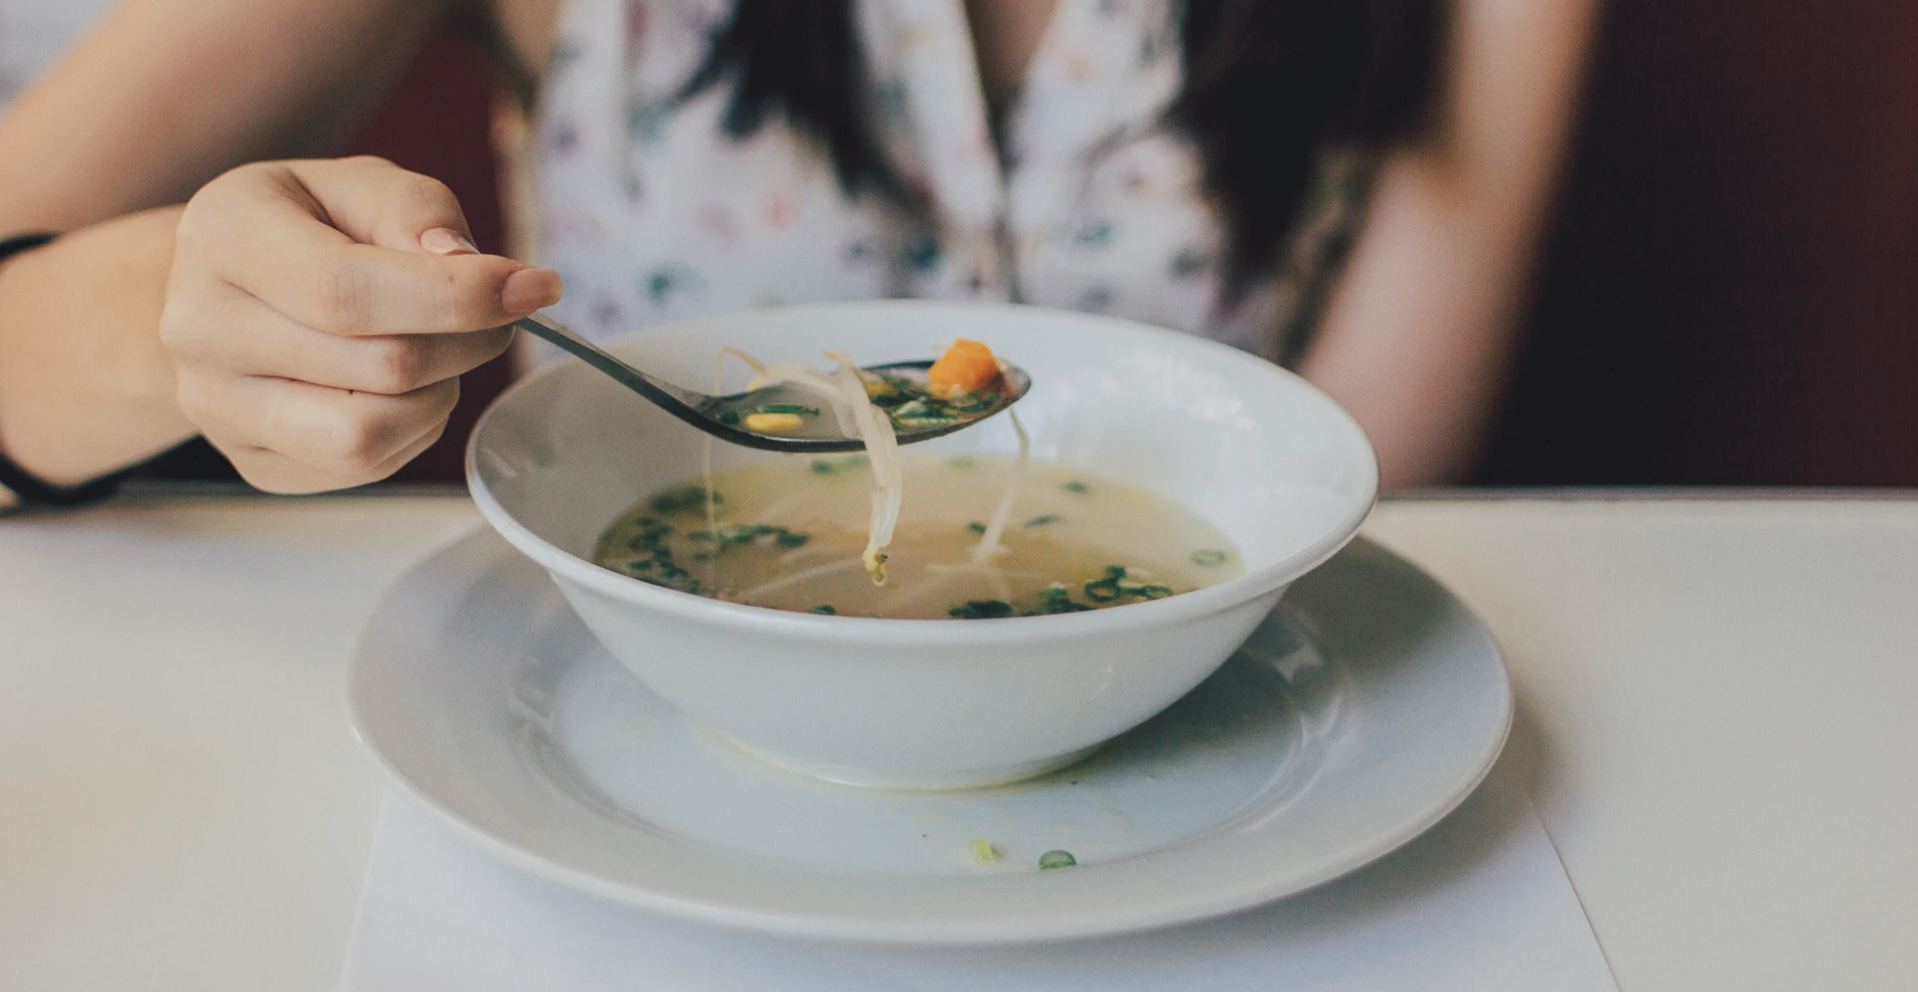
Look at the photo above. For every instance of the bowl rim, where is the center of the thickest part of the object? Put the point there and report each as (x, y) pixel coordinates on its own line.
(791, 624)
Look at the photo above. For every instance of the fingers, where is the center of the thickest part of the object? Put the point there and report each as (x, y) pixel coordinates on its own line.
(272, 472)
(319, 315)
(375, 202)
(269, 229)
(296, 437)
(273, 345)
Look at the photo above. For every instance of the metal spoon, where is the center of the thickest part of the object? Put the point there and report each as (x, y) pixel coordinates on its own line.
(816, 434)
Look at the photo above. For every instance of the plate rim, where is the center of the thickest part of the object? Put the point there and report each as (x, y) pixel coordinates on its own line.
(874, 929)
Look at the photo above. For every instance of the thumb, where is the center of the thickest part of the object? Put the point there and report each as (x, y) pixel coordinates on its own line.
(525, 289)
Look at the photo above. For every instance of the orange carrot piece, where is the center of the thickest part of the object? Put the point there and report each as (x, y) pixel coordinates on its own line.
(966, 367)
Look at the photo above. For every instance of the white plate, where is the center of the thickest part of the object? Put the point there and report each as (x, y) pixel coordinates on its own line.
(1365, 709)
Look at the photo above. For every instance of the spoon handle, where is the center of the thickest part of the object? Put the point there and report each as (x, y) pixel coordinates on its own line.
(682, 403)
(704, 412)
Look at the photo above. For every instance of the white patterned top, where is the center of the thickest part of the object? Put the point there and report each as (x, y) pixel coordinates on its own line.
(651, 212)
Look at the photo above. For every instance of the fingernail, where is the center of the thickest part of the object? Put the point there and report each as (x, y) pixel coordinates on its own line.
(446, 241)
(529, 289)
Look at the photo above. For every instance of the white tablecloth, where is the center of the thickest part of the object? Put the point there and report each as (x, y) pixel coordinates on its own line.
(1478, 904)
(1720, 693)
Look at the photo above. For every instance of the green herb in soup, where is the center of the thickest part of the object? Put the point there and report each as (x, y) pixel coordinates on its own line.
(837, 466)
(980, 609)
(788, 533)
(1056, 859)
(682, 499)
(912, 407)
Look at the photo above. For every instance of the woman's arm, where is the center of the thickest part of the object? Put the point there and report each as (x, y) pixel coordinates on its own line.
(1417, 336)
(162, 97)
(85, 386)
(166, 95)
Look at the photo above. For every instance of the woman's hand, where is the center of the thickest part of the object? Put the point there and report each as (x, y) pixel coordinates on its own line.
(319, 314)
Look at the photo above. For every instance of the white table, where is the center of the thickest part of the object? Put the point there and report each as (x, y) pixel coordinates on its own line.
(1719, 695)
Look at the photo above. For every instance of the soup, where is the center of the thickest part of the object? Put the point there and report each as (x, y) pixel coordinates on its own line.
(788, 533)
(872, 405)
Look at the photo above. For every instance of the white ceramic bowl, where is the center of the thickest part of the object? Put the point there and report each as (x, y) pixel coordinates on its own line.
(1270, 461)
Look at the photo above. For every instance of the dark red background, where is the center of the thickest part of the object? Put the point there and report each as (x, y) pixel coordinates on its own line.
(1729, 287)
(438, 122)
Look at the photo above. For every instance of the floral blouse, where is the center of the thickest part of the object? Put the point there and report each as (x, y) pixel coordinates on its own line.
(652, 213)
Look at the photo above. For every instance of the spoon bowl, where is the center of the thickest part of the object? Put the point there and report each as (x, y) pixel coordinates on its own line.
(725, 417)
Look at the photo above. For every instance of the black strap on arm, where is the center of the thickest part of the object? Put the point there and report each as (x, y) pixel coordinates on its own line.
(30, 490)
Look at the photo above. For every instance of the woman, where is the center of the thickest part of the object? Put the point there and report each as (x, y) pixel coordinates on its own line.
(1195, 164)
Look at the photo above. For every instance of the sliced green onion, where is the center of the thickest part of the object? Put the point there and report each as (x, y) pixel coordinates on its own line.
(685, 499)
(652, 531)
(1107, 589)
(828, 466)
(1056, 859)
(981, 609)
(982, 851)
(1208, 557)
(1059, 601)
(924, 422)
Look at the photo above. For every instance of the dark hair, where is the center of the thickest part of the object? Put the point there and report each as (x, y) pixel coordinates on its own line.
(1269, 83)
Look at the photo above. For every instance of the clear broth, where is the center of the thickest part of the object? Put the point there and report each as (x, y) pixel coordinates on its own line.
(789, 533)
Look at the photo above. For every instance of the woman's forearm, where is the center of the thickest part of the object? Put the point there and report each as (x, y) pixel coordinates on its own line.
(85, 386)
(161, 98)
(1419, 331)
(1417, 338)
(166, 94)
